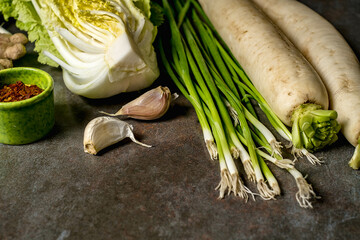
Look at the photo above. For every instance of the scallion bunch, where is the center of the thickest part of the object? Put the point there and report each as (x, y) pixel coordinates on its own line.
(206, 73)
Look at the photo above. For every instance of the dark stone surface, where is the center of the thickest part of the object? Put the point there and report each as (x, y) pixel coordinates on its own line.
(51, 189)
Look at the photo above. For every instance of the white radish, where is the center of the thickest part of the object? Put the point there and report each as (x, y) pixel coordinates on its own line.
(281, 74)
(326, 49)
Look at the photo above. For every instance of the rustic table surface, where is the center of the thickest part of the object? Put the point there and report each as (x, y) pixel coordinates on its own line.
(51, 189)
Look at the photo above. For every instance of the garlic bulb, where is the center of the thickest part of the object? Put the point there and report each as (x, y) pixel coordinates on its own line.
(151, 105)
(102, 132)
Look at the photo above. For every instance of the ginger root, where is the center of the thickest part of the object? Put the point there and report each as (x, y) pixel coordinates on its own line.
(12, 47)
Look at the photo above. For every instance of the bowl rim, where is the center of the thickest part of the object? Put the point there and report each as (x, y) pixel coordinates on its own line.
(32, 100)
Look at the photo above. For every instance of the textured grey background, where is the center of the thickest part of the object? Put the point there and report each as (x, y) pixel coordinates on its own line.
(51, 189)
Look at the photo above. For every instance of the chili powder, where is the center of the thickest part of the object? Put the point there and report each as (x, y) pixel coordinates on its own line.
(18, 91)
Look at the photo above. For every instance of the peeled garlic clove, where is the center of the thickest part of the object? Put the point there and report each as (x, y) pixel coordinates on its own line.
(151, 105)
(102, 132)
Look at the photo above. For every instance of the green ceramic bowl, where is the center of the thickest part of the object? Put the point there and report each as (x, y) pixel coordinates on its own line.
(28, 120)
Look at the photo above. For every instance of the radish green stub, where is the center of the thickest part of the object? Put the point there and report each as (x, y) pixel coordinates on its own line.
(314, 128)
(355, 159)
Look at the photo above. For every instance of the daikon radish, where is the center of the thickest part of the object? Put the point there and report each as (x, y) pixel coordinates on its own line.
(326, 49)
(281, 74)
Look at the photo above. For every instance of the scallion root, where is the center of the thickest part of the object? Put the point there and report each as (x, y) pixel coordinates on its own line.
(265, 192)
(311, 157)
(276, 147)
(224, 184)
(212, 149)
(249, 170)
(305, 193)
(277, 160)
(233, 114)
(275, 188)
(238, 187)
(305, 153)
(284, 163)
(232, 183)
(235, 152)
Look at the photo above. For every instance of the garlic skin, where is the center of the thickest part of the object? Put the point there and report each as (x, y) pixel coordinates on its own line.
(102, 132)
(149, 106)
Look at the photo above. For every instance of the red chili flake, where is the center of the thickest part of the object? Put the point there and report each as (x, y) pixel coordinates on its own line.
(18, 91)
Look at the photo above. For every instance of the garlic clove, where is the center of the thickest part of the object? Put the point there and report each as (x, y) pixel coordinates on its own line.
(102, 132)
(149, 106)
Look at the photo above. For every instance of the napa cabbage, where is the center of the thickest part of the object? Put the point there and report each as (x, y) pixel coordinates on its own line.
(104, 47)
